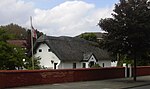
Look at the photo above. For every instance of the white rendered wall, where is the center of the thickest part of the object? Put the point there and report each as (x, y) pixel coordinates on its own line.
(114, 64)
(107, 63)
(86, 64)
(47, 57)
(69, 65)
(92, 59)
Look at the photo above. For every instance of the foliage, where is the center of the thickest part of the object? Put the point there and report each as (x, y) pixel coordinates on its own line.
(124, 59)
(3, 35)
(14, 31)
(96, 66)
(89, 36)
(11, 56)
(28, 63)
(5, 53)
(128, 30)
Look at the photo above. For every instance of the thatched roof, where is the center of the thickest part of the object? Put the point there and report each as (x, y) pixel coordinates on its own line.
(72, 48)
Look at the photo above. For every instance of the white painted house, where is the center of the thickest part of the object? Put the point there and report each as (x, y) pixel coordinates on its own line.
(69, 52)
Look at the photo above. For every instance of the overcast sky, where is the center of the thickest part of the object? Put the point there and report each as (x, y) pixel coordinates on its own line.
(57, 17)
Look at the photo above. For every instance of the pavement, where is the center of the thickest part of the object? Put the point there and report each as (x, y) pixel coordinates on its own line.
(143, 82)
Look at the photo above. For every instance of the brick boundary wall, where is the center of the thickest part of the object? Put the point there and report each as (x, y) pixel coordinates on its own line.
(143, 70)
(2, 82)
(16, 78)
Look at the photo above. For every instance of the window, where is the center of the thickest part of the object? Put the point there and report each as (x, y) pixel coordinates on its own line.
(84, 65)
(52, 61)
(49, 50)
(40, 50)
(74, 65)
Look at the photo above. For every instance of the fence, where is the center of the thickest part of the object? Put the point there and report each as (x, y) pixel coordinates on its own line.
(15, 78)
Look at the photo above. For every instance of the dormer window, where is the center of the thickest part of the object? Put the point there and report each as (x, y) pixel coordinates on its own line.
(40, 50)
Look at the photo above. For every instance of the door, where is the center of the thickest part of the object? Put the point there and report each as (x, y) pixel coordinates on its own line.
(55, 64)
(91, 64)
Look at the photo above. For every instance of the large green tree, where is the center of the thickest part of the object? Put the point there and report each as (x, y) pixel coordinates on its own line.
(11, 56)
(128, 30)
(14, 58)
(15, 31)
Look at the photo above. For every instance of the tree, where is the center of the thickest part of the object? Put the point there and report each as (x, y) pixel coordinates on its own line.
(15, 31)
(28, 63)
(128, 30)
(89, 36)
(11, 56)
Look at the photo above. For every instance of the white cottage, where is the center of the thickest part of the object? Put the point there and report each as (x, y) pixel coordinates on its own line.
(69, 52)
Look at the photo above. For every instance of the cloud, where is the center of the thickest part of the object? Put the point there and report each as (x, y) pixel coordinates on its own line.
(15, 11)
(70, 18)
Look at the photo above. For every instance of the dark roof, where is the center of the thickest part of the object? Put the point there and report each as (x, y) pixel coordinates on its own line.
(87, 56)
(72, 48)
(20, 43)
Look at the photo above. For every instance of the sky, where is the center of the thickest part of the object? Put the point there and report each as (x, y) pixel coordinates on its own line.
(57, 17)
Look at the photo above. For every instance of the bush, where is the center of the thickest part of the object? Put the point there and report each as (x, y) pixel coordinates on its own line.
(96, 66)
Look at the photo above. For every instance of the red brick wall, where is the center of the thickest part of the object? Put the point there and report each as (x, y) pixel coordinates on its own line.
(25, 77)
(2, 82)
(98, 74)
(16, 78)
(143, 70)
(32, 77)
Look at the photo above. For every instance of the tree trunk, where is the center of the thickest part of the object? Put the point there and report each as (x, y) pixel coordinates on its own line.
(118, 59)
